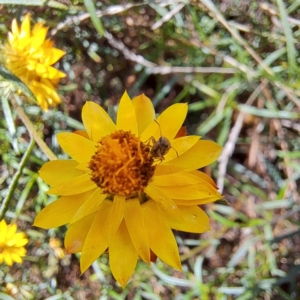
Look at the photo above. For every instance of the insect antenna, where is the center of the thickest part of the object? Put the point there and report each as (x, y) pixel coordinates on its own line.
(175, 150)
(159, 127)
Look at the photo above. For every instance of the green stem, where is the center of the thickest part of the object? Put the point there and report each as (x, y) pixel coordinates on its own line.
(32, 130)
(15, 179)
(90, 6)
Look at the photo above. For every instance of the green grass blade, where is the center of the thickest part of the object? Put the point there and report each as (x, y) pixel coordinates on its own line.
(265, 113)
(95, 20)
(291, 50)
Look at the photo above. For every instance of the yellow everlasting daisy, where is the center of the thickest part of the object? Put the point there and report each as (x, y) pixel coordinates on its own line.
(30, 56)
(122, 192)
(11, 244)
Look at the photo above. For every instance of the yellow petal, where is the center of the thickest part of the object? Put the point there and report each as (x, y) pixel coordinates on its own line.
(15, 28)
(57, 171)
(122, 255)
(192, 219)
(74, 186)
(44, 93)
(180, 146)
(177, 179)
(48, 72)
(126, 117)
(144, 111)
(78, 147)
(117, 213)
(60, 212)
(52, 55)
(20, 239)
(84, 167)
(82, 133)
(3, 229)
(98, 237)
(160, 197)
(36, 28)
(10, 36)
(161, 238)
(25, 27)
(38, 38)
(195, 191)
(96, 121)
(16, 257)
(46, 86)
(167, 169)
(202, 201)
(133, 216)
(76, 234)
(53, 75)
(11, 230)
(205, 177)
(200, 155)
(90, 205)
(169, 123)
(7, 257)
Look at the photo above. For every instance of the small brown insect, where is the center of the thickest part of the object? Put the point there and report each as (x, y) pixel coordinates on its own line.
(160, 147)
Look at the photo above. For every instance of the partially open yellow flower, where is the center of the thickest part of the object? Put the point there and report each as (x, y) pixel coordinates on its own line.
(11, 244)
(119, 193)
(30, 56)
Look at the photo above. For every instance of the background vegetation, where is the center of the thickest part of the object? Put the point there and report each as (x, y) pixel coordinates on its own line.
(236, 62)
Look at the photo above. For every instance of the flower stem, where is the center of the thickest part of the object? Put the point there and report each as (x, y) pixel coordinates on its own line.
(32, 131)
(15, 179)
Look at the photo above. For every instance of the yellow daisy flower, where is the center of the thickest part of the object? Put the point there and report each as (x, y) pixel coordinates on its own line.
(119, 193)
(30, 56)
(11, 244)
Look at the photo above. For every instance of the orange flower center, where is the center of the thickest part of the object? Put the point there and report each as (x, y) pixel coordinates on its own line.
(122, 164)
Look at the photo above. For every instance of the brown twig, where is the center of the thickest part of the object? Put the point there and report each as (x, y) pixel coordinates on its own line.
(284, 146)
(232, 138)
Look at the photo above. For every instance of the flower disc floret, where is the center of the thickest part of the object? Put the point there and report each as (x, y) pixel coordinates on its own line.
(122, 164)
